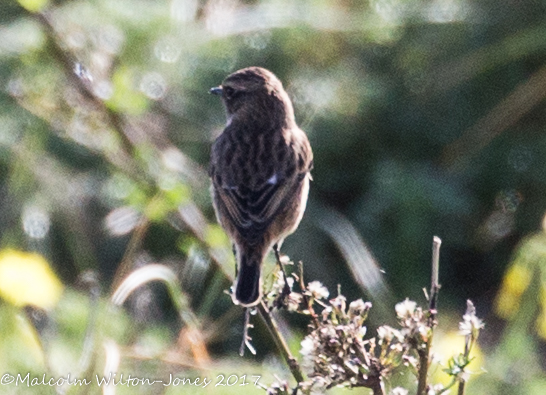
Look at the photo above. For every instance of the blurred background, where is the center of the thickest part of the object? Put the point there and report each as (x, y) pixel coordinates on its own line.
(426, 117)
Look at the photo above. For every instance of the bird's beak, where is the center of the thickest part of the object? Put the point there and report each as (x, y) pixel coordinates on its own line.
(216, 91)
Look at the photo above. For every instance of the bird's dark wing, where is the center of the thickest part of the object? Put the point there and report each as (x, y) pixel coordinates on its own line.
(252, 190)
(253, 210)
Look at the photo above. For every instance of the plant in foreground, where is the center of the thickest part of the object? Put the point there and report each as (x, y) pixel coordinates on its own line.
(336, 351)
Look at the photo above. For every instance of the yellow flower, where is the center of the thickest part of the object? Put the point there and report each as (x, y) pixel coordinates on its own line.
(447, 345)
(216, 237)
(34, 5)
(515, 282)
(26, 278)
(540, 324)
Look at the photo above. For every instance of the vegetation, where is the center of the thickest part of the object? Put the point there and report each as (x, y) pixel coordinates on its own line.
(426, 118)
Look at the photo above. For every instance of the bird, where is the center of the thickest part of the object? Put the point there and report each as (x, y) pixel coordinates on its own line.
(260, 170)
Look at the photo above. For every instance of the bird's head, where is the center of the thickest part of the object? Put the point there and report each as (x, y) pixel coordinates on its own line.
(254, 93)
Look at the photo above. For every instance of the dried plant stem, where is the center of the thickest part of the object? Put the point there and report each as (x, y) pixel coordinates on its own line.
(424, 354)
(467, 347)
(423, 368)
(134, 244)
(375, 383)
(306, 300)
(281, 343)
(434, 284)
(378, 389)
(461, 388)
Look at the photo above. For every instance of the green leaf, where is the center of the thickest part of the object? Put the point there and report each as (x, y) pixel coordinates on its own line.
(126, 98)
(33, 5)
(216, 236)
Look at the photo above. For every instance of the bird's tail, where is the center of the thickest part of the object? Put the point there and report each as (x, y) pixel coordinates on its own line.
(247, 287)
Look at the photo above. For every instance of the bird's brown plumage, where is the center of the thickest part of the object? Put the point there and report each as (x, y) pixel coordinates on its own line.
(260, 171)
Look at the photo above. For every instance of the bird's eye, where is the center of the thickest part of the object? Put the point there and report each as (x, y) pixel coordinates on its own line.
(228, 91)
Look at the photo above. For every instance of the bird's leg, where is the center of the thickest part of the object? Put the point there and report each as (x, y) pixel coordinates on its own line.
(286, 288)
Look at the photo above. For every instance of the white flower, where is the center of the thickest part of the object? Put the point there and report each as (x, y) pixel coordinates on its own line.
(405, 309)
(383, 331)
(471, 324)
(464, 376)
(319, 386)
(326, 313)
(339, 303)
(436, 389)
(279, 283)
(358, 308)
(330, 331)
(399, 391)
(317, 290)
(307, 351)
(411, 361)
(361, 332)
(387, 333)
(294, 301)
(307, 346)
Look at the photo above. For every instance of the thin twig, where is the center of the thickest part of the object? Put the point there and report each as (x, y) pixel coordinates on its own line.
(423, 369)
(460, 391)
(306, 299)
(286, 289)
(469, 342)
(374, 380)
(281, 343)
(434, 284)
(134, 244)
(90, 281)
(424, 354)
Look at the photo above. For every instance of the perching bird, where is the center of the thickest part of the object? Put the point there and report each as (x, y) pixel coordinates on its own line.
(260, 171)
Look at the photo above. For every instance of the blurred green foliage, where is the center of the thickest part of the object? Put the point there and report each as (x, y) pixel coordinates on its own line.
(425, 117)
